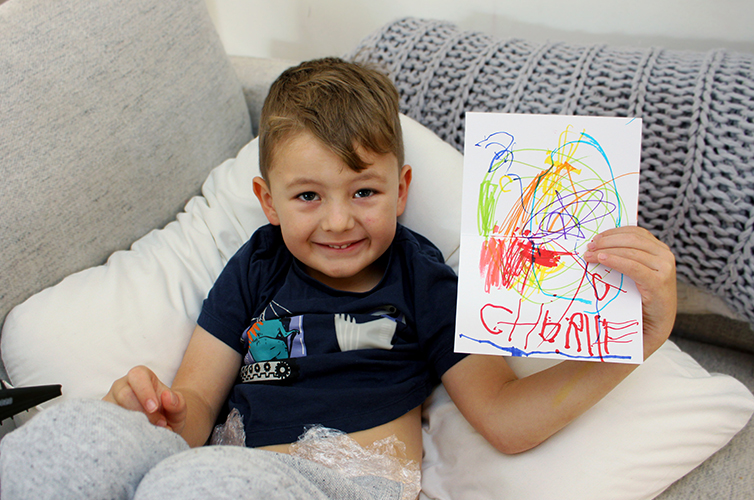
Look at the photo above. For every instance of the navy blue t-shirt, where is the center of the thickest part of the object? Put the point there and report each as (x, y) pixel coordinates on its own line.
(316, 355)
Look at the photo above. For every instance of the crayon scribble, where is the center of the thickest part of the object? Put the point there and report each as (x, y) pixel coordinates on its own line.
(533, 246)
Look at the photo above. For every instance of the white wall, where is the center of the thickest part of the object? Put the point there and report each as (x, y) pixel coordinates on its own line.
(302, 29)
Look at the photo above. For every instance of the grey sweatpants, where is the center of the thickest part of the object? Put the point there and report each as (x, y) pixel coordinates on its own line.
(96, 450)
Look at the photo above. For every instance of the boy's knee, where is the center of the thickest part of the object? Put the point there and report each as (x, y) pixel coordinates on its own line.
(236, 472)
(82, 449)
(223, 472)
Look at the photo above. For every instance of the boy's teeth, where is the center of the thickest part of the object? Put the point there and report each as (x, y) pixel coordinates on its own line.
(338, 246)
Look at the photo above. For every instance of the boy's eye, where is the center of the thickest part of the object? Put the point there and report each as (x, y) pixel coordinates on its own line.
(364, 193)
(308, 196)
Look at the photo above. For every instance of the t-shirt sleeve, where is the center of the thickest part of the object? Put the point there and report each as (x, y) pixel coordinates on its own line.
(236, 296)
(226, 311)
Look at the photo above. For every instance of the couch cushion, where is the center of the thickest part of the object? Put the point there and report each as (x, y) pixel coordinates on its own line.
(113, 112)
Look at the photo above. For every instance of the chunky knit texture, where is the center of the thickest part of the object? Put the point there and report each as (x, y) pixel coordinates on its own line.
(697, 178)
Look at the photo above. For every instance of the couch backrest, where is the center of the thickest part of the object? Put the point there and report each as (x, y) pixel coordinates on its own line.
(112, 112)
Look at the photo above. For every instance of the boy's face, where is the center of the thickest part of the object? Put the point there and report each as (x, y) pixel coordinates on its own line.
(334, 220)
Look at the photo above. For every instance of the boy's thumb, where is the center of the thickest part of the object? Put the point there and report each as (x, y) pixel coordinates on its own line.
(170, 399)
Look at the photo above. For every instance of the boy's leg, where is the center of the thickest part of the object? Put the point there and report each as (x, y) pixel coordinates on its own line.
(233, 472)
(82, 449)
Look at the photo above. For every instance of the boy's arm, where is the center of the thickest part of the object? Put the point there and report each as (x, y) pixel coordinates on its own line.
(191, 406)
(514, 414)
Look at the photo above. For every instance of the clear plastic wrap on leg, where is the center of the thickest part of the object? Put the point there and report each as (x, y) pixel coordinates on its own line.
(385, 458)
(231, 432)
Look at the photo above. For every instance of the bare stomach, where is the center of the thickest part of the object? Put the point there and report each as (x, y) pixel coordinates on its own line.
(406, 429)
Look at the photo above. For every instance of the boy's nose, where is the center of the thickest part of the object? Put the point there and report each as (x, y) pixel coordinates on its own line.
(338, 218)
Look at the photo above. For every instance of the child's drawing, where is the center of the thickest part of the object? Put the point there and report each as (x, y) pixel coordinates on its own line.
(537, 189)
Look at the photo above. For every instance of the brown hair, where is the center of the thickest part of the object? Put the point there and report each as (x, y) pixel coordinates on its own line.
(345, 105)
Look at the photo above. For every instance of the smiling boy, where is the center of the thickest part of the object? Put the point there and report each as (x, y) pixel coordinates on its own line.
(333, 184)
(335, 314)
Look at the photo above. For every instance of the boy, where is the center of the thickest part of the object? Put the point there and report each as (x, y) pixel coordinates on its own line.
(334, 183)
(346, 316)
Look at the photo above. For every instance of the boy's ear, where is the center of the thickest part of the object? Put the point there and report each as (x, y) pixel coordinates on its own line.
(404, 181)
(262, 192)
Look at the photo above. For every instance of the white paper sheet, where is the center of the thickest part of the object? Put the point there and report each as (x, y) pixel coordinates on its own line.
(536, 190)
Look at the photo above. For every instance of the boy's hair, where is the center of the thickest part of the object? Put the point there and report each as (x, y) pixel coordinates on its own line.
(345, 105)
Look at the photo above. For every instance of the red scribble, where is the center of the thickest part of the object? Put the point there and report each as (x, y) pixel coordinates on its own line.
(503, 260)
(539, 256)
(550, 329)
(597, 278)
(495, 330)
(491, 264)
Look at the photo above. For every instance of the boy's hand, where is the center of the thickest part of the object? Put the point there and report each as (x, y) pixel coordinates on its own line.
(517, 414)
(141, 390)
(635, 252)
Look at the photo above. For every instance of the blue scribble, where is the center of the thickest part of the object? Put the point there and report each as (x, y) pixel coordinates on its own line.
(515, 351)
(501, 156)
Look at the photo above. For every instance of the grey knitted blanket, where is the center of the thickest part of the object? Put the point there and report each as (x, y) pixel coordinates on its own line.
(697, 168)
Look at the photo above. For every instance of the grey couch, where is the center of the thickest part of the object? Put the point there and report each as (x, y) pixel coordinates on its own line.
(112, 113)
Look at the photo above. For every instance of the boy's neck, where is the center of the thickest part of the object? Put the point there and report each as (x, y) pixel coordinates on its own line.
(362, 282)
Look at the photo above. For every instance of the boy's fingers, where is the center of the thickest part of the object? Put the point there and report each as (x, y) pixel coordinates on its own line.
(643, 269)
(631, 243)
(615, 257)
(628, 237)
(141, 390)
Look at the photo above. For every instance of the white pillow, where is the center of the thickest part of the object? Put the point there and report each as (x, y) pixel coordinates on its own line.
(140, 308)
(666, 418)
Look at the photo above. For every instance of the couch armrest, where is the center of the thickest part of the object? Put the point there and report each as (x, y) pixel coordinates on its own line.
(256, 74)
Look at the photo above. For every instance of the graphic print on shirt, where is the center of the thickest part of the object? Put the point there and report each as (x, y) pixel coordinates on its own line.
(272, 345)
(373, 334)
